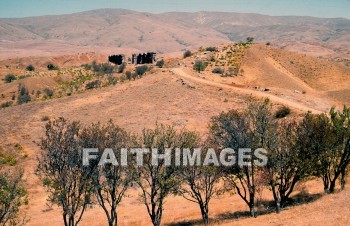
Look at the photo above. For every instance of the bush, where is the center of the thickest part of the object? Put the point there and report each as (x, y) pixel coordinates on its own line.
(30, 68)
(187, 54)
(112, 80)
(23, 95)
(282, 112)
(52, 67)
(45, 118)
(86, 67)
(199, 66)
(211, 49)
(9, 78)
(141, 70)
(128, 75)
(217, 71)
(122, 68)
(102, 69)
(48, 92)
(93, 85)
(6, 104)
(160, 63)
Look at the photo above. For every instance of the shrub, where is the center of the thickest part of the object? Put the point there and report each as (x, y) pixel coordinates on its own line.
(217, 71)
(112, 80)
(199, 66)
(128, 75)
(23, 76)
(6, 104)
(141, 70)
(48, 92)
(160, 63)
(122, 68)
(211, 49)
(30, 68)
(93, 85)
(86, 67)
(9, 78)
(282, 112)
(187, 54)
(52, 67)
(45, 118)
(23, 95)
(102, 69)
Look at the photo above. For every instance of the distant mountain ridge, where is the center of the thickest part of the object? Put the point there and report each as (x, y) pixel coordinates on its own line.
(170, 32)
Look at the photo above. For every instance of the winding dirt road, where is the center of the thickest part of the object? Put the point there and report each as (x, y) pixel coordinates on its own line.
(259, 94)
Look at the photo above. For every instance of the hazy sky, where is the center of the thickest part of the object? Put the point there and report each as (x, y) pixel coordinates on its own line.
(318, 8)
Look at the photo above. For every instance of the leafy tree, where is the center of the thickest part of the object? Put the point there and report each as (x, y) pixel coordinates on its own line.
(10, 78)
(157, 181)
(331, 143)
(199, 183)
(12, 196)
(253, 128)
(289, 162)
(110, 181)
(60, 167)
(199, 66)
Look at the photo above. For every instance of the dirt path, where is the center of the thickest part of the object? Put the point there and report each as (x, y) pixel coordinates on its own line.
(244, 91)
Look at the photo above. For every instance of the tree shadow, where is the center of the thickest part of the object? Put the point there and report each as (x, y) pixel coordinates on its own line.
(265, 207)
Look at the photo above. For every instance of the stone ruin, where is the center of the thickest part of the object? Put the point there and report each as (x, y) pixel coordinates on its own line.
(144, 58)
(116, 59)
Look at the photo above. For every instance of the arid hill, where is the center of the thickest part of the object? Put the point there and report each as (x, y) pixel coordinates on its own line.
(110, 29)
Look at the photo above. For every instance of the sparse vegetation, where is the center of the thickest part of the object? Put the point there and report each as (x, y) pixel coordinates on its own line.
(10, 78)
(282, 112)
(23, 95)
(30, 68)
(199, 66)
(52, 67)
(217, 70)
(187, 53)
(160, 63)
(141, 70)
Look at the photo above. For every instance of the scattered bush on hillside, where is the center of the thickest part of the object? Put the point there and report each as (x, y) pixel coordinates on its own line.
(52, 67)
(93, 84)
(218, 70)
(104, 68)
(200, 66)
(282, 112)
(141, 70)
(122, 68)
(23, 95)
(10, 78)
(30, 68)
(7, 104)
(128, 75)
(250, 40)
(187, 53)
(160, 63)
(48, 92)
(211, 49)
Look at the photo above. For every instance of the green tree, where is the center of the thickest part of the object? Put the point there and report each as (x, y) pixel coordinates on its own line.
(61, 169)
(199, 66)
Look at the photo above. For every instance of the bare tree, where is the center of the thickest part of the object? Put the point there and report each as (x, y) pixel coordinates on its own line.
(67, 181)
